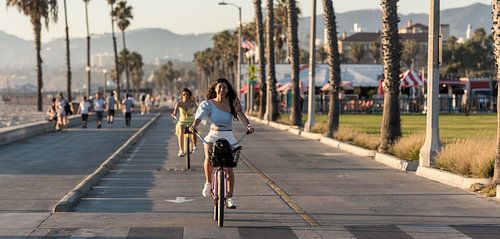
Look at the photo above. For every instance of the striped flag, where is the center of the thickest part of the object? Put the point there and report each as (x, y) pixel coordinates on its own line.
(247, 44)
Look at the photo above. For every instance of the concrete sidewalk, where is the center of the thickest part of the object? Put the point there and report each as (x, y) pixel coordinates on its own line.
(36, 172)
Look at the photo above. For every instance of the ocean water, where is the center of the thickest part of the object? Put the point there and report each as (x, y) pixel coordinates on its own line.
(16, 114)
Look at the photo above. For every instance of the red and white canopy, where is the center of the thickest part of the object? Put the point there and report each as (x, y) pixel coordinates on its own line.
(411, 79)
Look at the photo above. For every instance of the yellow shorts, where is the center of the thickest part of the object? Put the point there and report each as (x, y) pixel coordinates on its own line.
(180, 127)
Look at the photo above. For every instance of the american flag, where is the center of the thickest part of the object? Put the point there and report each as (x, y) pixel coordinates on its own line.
(247, 44)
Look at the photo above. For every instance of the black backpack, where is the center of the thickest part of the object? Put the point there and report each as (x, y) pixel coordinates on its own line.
(67, 109)
(222, 154)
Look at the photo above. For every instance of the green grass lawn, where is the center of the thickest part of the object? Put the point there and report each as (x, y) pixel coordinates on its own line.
(452, 126)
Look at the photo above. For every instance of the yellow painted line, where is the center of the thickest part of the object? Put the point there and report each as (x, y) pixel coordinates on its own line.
(288, 200)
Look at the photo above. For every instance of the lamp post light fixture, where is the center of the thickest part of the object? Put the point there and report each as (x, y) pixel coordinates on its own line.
(238, 78)
(87, 69)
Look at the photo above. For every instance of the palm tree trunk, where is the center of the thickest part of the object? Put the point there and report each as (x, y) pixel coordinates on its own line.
(37, 27)
(496, 37)
(262, 58)
(293, 54)
(126, 63)
(118, 89)
(272, 96)
(334, 68)
(391, 50)
(68, 62)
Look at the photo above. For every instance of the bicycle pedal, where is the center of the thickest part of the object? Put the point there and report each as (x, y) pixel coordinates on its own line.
(233, 207)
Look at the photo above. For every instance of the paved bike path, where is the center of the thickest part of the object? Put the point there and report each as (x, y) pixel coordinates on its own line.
(37, 172)
(343, 195)
(131, 201)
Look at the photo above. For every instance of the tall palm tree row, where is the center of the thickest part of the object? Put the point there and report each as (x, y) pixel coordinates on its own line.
(262, 58)
(88, 47)
(123, 14)
(68, 60)
(334, 67)
(37, 11)
(495, 6)
(391, 52)
(272, 94)
(117, 77)
(293, 55)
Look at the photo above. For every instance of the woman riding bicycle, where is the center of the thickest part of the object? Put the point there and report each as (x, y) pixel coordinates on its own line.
(186, 107)
(221, 107)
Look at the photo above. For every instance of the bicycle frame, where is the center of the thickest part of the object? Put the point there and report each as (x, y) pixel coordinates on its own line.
(220, 185)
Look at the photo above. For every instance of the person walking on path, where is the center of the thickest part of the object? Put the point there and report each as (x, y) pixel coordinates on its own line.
(62, 117)
(221, 107)
(186, 107)
(99, 105)
(127, 106)
(111, 106)
(84, 109)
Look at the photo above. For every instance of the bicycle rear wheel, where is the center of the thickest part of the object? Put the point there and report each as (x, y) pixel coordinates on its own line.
(221, 195)
(215, 210)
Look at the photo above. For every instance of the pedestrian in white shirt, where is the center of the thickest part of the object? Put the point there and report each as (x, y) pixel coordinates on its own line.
(99, 105)
(84, 109)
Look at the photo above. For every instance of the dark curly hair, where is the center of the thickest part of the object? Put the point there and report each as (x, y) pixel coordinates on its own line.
(231, 94)
(188, 91)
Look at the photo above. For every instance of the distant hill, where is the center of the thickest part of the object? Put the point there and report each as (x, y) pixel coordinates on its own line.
(161, 43)
(478, 15)
(151, 43)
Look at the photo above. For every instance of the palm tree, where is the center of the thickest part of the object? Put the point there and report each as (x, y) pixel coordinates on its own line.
(117, 79)
(334, 67)
(37, 10)
(391, 52)
(123, 14)
(293, 55)
(68, 64)
(272, 101)
(88, 46)
(495, 5)
(262, 58)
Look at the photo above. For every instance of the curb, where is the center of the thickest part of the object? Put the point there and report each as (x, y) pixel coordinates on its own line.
(395, 162)
(356, 150)
(72, 198)
(450, 179)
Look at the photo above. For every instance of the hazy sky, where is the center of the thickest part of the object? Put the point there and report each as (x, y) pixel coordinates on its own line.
(182, 16)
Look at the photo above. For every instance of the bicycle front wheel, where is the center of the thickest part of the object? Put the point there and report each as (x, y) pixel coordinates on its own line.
(221, 196)
(187, 150)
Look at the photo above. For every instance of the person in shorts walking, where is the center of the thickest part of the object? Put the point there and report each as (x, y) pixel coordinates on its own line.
(111, 106)
(99, 105)
(83, 109)
(128, 105)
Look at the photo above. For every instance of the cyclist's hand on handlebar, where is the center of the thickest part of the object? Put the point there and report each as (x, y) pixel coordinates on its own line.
(250, 129)
(192, 129)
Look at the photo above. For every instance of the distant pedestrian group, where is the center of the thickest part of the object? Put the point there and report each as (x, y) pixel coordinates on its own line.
(60, 108)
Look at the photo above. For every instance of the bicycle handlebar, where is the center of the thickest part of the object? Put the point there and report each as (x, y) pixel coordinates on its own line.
(238, 142)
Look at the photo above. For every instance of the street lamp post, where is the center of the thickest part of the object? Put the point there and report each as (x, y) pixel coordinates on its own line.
(105, 73)
(87, 69)
(312, 72)
(432, 145)
(238, 78)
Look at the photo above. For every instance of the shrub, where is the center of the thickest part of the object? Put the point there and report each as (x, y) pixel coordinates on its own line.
(408, 147)
(471, 157)
(369, 141)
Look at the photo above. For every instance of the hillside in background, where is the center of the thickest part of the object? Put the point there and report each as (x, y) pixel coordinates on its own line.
(155, 43)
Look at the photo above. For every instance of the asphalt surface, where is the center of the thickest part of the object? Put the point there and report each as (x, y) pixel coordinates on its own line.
(287, 187)
(37, 172)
